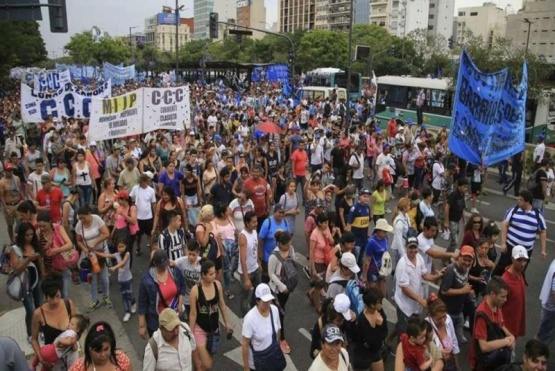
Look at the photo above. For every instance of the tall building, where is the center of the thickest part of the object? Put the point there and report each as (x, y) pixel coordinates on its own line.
(339, 15)
(297, 15)
(440, 18)
(252, 13)
(226, 10)
(321, 15)
(400, 17)
(362, 11)
(486, 21)
(160, 32)
(541, 15)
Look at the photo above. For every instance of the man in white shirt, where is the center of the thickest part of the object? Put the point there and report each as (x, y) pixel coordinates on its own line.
(33, 181)
(145, 200)
(172, 346)
(539, 151)
(356, 162)
(317, 154)
(438, 171)
(426, 242)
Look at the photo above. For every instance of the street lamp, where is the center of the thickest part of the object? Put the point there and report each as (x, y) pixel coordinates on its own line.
(526, 20)
(349, 65)
(177, 24)
(130, 40)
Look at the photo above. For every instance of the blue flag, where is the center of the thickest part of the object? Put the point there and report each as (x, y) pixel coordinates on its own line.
(488, 114)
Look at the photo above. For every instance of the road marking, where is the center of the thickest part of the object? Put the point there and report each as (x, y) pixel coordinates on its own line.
(306, 334)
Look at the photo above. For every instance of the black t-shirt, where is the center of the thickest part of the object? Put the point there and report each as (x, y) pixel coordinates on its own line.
(453, 279)
(456, 206)
(340, 183)
(221, 193)
(338, 155)
(537, 193)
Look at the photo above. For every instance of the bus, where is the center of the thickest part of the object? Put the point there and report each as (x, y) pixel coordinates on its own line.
(334, 77)
(397, 97)
(312, 93)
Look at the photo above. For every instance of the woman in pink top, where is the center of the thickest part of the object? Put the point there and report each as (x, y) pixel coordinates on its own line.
(228, 235)
(321, 246)
(95, 159)
(126, 226)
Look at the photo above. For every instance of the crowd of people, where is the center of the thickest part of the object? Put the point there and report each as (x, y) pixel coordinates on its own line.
(221, 199)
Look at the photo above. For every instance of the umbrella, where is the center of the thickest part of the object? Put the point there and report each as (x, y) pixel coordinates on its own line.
(268, 127)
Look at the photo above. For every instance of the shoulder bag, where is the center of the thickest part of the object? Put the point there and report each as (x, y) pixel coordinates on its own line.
(271, 358)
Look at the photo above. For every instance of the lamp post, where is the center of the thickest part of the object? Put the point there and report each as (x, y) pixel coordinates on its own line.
(131, 42)
(526, 20)
(177, 24)
(404, 4)
(349, 65)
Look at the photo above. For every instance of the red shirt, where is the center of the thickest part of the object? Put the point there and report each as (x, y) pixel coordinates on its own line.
(392, 128)
(258, 189)
(413, 354)
(53, 199)
(481, 331)
(299, 162)
(514, 310)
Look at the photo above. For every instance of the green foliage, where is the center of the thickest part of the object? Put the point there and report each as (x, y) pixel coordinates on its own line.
(83, 50)
(21, 44)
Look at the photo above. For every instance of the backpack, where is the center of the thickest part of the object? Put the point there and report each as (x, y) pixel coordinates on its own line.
(19, 285)
(419, 218)
(5, 266)
(491, 360)
(536, 210)
(387, 265)
(154, 344)
(354, 292)
(532, 182)
(289, 274)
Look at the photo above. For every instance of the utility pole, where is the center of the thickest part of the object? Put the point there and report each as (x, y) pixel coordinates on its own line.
(526, 20)
(177, 24)
(349, 66)
(131, 41)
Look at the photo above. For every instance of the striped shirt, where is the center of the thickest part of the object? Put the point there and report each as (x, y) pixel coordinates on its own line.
(523, 226)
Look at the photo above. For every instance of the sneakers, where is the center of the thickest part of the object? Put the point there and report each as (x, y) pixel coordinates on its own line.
(93, 305)
(108, 303)
(285, 348)
(474, 210)
(126, 317)
(466, 325)
(388, 211)
(134, 308)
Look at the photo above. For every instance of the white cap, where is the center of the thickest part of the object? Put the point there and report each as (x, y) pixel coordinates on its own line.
(191, 132)
(348, 260)
(149, 174)
(263, 293)
(92, 144)
(342, 305)
(519, 252)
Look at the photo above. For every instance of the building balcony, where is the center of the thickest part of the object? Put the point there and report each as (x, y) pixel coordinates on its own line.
(379, 2)
(339, 10)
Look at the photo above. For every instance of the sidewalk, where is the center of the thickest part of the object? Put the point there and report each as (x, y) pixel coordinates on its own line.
(12, 321)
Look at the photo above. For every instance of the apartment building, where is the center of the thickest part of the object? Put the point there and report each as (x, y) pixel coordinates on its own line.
(487, 21)
(226, 9)
(160, 32)
(297, 15)
(252, 13)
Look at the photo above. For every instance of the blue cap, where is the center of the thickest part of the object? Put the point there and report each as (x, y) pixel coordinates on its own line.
(409, 121)
(540, 136)
(217, 137)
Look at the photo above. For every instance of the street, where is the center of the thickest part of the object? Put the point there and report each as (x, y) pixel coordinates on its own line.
(300, 316)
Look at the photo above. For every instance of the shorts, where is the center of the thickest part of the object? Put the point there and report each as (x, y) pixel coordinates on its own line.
(9, 214)
(145, 226)
(200, 335)
(362, 358)
(475, 188)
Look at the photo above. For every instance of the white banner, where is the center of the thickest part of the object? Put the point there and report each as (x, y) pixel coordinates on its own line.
(166, 108)
(141, 111)
(116, 117)
(68, 101)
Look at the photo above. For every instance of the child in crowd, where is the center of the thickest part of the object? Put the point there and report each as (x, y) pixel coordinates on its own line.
(65, 343)
(414, 346)
(125, 277)
(190, 267)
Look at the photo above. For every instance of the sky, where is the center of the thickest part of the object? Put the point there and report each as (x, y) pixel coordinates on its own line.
(116, 16)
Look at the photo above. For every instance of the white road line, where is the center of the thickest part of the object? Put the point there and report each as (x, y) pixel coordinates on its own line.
(305, 333)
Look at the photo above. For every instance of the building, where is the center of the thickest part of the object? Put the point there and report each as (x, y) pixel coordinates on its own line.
(539, 16)
(400, 17)
(160, 32)
(297, 15)
(252, 13)
(321, 16)
(362, 11)
(486, 21)
(339, 15)
(226, 10)
(440, 18)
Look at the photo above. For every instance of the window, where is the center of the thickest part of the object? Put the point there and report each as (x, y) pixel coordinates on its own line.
(430, 27)
(432, 5)
(431, 16)
(473, 14)
(462, 14)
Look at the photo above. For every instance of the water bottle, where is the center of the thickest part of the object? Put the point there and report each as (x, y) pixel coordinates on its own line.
(94, 263)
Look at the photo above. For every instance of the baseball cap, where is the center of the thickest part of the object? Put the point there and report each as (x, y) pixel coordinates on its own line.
(279, 208)
(217, 138)
(342, 305)
(45, 178)
(8, 166)
(331, 333)
(519, 252)
(92, 144)
(467, 250)
(540, 136)
(122, 194)
(263, 292)
(365, 192)
(348, 260)
(191, 133)
(412, 241)
(169, 319)
(149, 174)
(160, 259)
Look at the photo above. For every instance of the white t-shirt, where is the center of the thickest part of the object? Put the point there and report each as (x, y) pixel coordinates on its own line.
(34, 180)
(539, 151)
(319, 365)
(409, 275)
(437, 178)
(425, 244)
(92, 232)
(60, 351)
(259, 330)
(317, 156)
(357, 173)
(252, 252)
(144, 198)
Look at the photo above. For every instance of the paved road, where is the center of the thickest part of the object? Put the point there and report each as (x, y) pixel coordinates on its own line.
(300, 316)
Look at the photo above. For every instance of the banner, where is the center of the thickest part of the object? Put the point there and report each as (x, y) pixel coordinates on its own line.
(68, 101)
(51, 80)
(277, 73)
(118, 74)
(488, 114)
(79, 72)
(141, 111)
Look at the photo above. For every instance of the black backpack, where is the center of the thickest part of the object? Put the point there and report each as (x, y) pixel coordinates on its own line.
(289, 274)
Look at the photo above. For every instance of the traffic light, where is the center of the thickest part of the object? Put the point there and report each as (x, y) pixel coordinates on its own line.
(213, 25)
(238, 38)
(392, 49)
(58, 16)
(450, 41)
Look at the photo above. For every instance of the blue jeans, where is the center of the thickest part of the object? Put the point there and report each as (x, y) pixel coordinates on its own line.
(85, 194)
(458, 323)
(126, 291)
(31, 301)
(546, 333)
(105, 283)
(538, 204)
(231, 259)
(454, 228)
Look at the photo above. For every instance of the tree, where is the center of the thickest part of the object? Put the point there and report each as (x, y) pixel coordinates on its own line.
(321, 48)
(83, 50)
(21, 45)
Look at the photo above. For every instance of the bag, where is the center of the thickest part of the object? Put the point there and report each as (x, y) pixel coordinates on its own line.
(354, 292)
(5, 265)
(532, 182)
(19, 285)
(387, 265)
(386, 176)
(213, 342)
(271, 358)
(289, 274)
(66, 259)
(154, 345)
(497, 357)
(101, 168)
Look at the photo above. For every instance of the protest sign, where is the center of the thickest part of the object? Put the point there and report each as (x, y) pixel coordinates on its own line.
(68, 101)
(118, 74)
(116, 117)
(167, 108)
(488, 119)
(50, 80)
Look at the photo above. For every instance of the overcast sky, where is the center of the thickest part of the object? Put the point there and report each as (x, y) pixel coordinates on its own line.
(116, 16)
